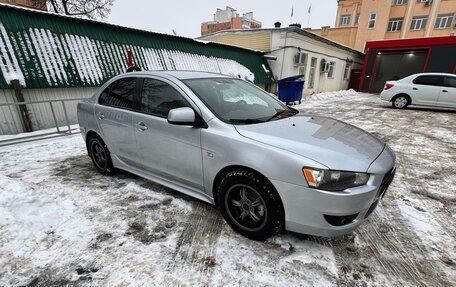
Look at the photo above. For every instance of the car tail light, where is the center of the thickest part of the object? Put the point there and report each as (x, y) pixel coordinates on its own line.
(388, 86)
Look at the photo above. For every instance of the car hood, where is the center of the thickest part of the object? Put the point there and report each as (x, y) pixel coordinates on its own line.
(335, 144)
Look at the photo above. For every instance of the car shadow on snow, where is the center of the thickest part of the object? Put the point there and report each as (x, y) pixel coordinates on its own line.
(80, 170)
(424, 109)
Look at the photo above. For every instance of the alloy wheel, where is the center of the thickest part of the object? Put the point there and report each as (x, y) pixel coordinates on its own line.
(99, 155)
(246, 207)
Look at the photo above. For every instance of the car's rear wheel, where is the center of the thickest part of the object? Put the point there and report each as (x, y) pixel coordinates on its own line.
(101, 157)
(400, 101)
(250, 204)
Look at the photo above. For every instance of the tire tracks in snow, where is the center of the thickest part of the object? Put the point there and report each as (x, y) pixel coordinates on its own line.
(386, 244)
(194, 258)
(445, 222)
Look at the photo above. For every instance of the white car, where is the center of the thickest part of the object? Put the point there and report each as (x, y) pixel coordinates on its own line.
(425, 89)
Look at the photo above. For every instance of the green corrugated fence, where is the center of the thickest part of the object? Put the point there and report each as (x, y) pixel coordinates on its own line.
(44, 50)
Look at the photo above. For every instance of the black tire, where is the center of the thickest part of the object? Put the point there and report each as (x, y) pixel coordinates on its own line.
(100, 155)
(257, 212)
(400, 101)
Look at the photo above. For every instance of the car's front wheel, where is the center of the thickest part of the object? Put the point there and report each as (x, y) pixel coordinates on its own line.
(250, 204)
(101, 157)
(400, 102)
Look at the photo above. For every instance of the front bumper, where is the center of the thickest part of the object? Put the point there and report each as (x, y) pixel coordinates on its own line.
(306, 208)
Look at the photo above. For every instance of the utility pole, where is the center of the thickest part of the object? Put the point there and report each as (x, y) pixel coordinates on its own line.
(22, 107)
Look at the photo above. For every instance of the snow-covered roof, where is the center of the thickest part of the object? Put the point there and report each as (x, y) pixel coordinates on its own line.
(43, 49)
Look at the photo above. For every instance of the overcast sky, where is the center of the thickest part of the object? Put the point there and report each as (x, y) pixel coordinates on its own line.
(185, 16)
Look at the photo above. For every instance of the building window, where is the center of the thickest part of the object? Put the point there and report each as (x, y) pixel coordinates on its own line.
(372, 18)
(300, 59)
(399, 2)
(347, 71)
(245, 24)
(331, 70)
(345, 20)
(422, 1)
(303, 65)
(394, 24)
(418, 23)
(443, 21)
(313, 68)
(357, 18)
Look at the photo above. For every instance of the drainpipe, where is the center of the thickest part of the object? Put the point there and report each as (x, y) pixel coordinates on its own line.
(283, 55)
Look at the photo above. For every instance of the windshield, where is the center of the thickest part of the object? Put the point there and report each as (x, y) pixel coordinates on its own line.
(237, 101)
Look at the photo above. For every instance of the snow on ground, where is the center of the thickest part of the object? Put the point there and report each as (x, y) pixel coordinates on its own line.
(62, 223)
(37, 134)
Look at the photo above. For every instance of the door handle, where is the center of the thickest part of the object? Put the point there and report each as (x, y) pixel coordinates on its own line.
(141, 126)
(415, 88)
(101, 115)
(445, 91)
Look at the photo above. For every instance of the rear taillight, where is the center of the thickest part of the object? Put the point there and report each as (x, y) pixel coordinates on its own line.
(388, 86)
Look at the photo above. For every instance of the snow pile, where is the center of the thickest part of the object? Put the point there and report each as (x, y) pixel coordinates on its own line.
(323, 96)
(304, 263)
(328, 95)
(31, 220)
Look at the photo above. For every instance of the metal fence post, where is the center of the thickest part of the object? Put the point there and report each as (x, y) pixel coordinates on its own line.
(55, 119)
(66, 116)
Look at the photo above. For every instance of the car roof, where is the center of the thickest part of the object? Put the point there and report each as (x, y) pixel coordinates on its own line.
(432, 74)
(181, 75)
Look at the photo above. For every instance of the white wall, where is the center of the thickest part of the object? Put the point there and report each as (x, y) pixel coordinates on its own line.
(285, 45)
(222, 16)
(10, 120)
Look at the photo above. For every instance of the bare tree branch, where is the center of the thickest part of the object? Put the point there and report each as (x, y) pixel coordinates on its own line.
(90, 9)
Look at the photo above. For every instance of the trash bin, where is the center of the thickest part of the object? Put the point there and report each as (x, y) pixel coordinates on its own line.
(290, 89)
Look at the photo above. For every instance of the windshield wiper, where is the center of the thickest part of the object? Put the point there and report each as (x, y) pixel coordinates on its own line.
(275, 115)
(245, 121)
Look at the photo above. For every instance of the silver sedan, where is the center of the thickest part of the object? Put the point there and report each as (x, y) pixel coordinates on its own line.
(267, 166)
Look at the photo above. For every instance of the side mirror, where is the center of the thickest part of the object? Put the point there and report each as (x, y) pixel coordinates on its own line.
(182, 116)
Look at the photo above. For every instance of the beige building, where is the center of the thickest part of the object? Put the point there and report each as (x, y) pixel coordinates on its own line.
(359, 21)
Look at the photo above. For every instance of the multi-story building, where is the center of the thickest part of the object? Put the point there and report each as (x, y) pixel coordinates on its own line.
(229, 19)
(358, 21)
(34, 4)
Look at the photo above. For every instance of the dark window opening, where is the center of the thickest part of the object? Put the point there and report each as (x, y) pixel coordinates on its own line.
(428, 80)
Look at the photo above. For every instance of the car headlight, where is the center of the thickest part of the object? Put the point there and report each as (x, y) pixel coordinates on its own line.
(334, 180)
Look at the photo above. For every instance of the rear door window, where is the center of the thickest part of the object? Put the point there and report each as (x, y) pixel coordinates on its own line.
(449, 82)
(428, 80)
(158, 98)
(119, 94)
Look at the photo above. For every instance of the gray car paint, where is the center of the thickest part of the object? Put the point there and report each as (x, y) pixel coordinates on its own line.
(188, 159)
